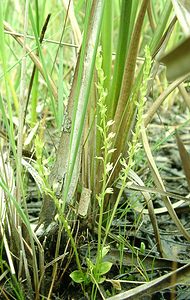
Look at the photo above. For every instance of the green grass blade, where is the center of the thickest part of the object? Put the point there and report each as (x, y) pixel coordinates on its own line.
(107, 35)
(53, 104)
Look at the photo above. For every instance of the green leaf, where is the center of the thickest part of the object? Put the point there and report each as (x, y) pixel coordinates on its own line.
(104, 267)
(78, 276)
(101, 280)
(142, 247)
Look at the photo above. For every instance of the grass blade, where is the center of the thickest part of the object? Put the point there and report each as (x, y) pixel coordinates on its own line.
(185, 158)
(159, 183)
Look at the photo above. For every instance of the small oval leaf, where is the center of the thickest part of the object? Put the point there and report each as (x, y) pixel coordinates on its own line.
(77, 276)
(104, 267)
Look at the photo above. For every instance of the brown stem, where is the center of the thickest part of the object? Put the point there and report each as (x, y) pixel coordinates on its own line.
(122, 125)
